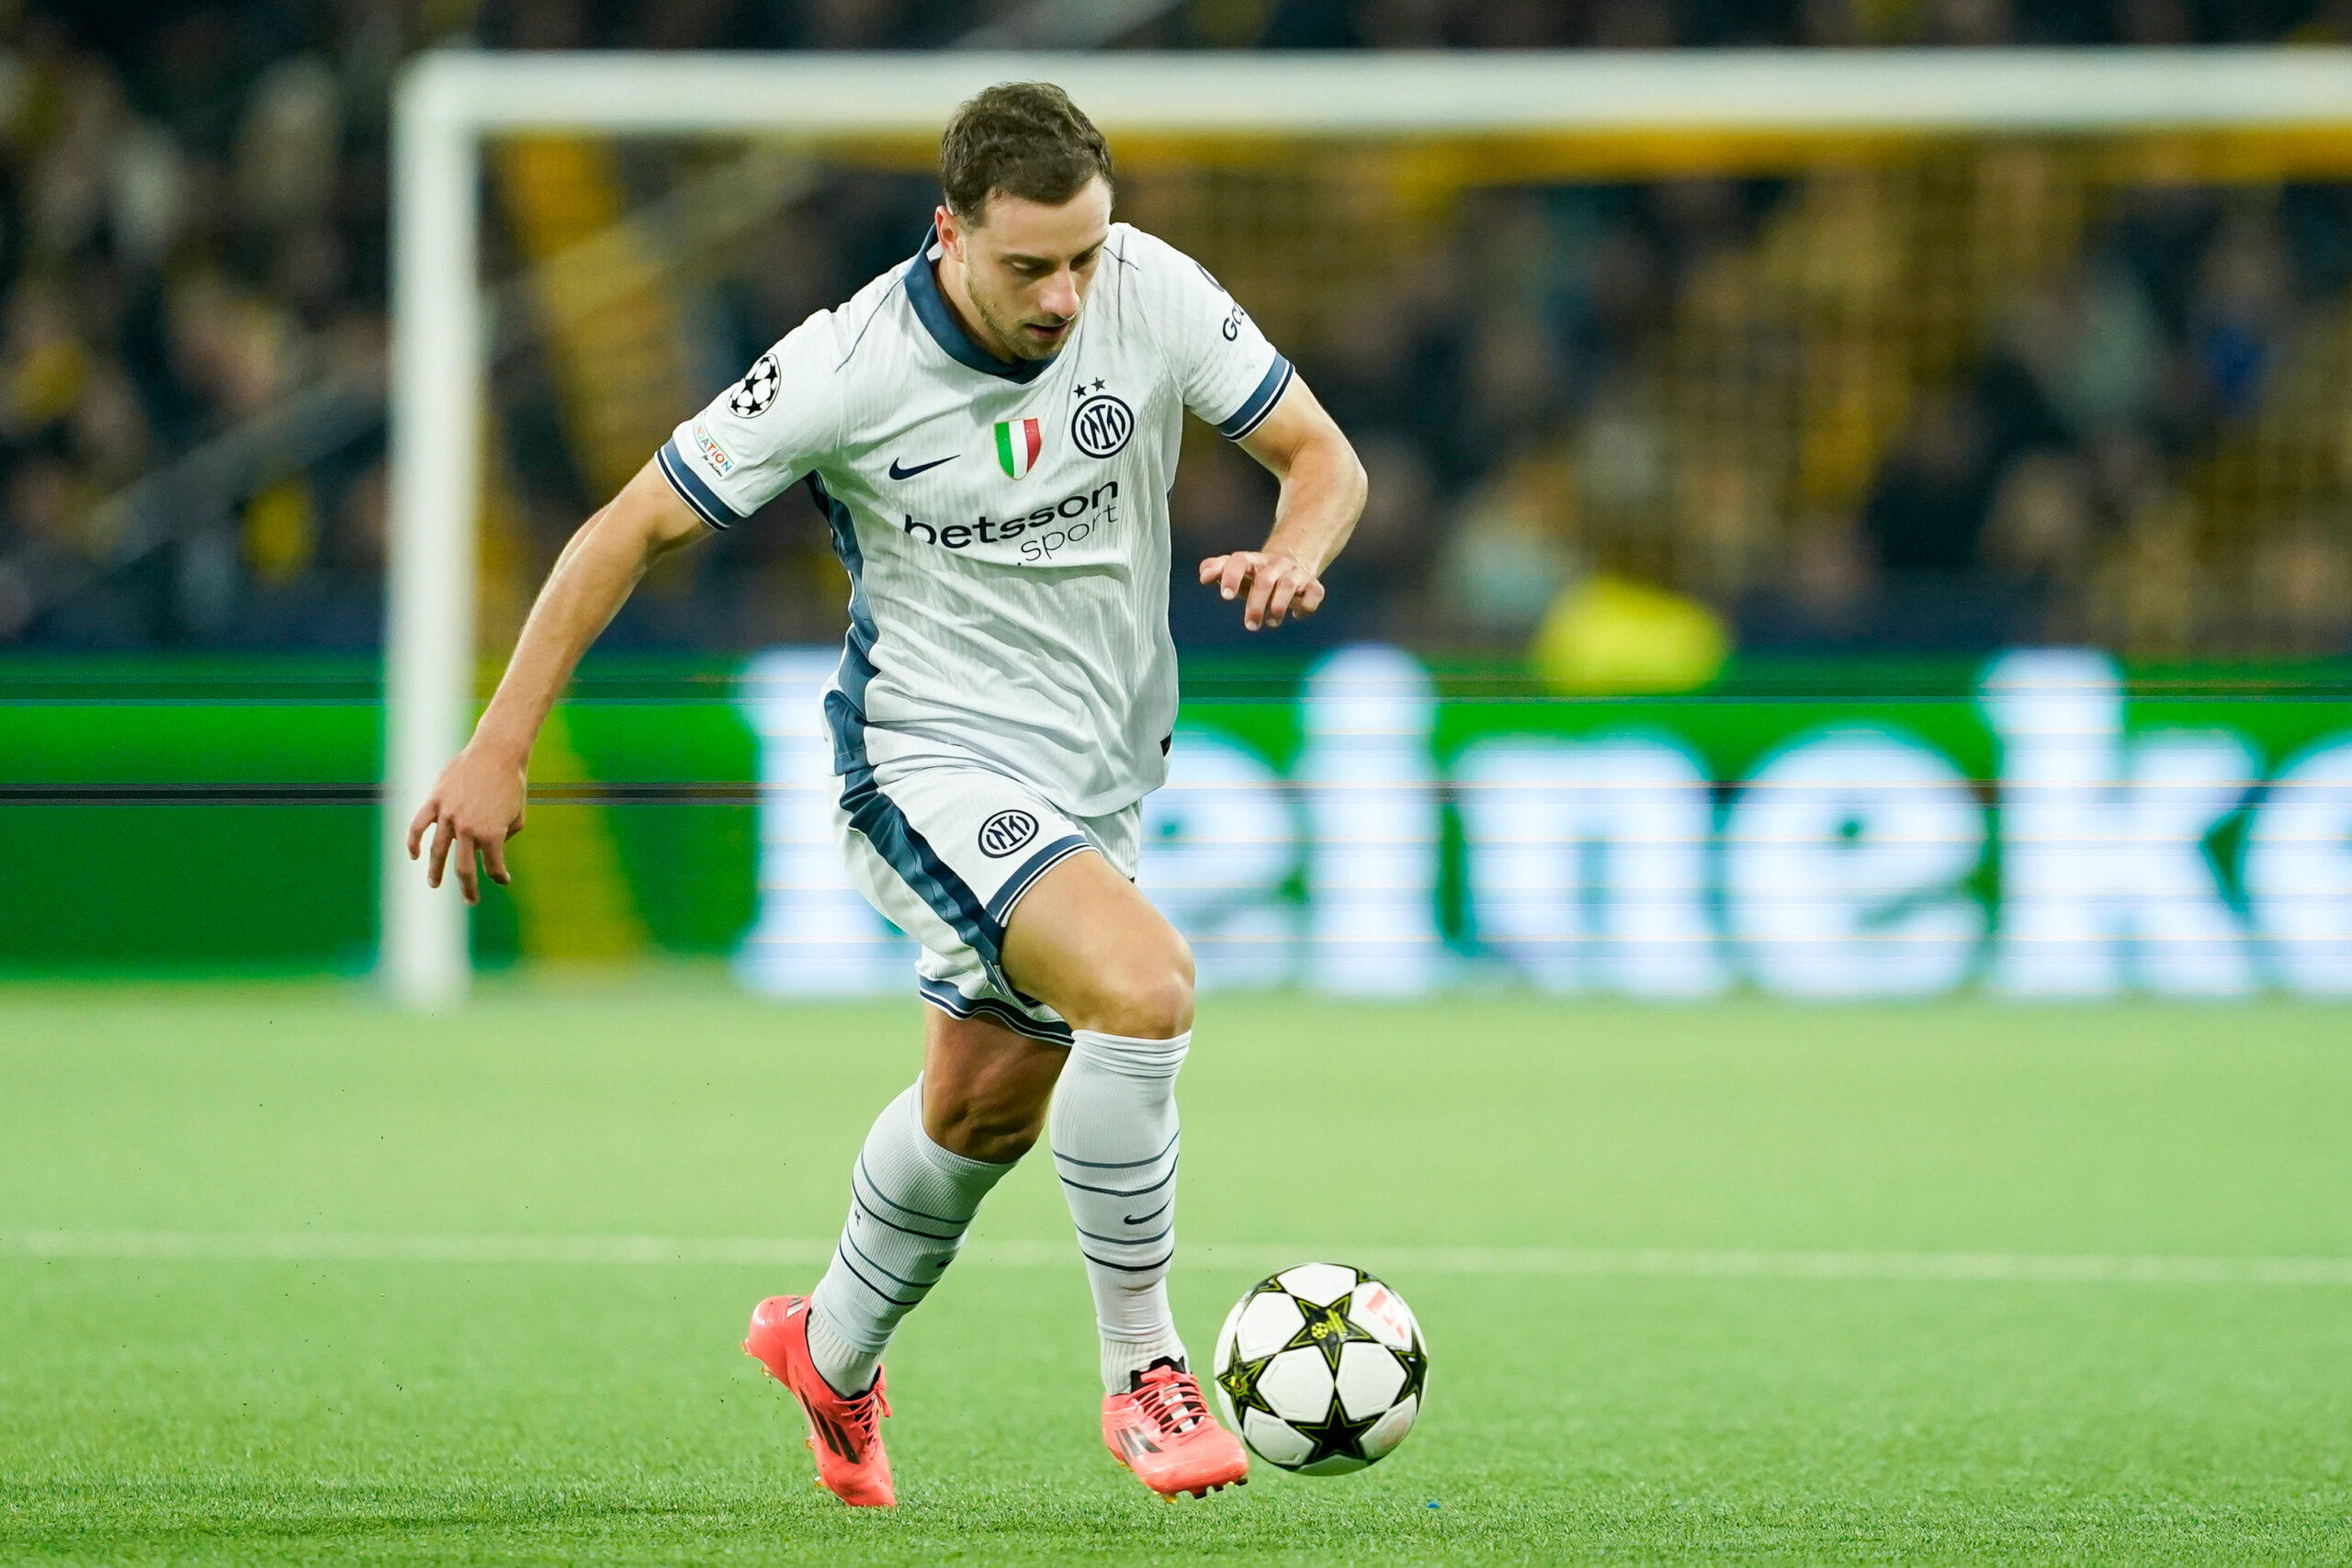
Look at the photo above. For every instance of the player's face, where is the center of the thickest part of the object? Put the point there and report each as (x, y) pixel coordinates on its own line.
(1027, 266)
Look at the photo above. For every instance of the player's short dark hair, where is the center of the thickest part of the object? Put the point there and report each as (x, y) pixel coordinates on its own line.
(1025, 139)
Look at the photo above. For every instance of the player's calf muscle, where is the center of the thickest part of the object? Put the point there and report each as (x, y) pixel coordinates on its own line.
(995, 1130)
(985, 1088)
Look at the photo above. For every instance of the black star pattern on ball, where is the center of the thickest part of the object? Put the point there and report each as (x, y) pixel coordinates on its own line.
(1335, 1437)
(1327, 1328)
(1240, 1381)
(1417, 1371)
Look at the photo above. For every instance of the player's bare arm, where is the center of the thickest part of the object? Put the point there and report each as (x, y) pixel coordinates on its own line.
(479, 802)
(1322, 496)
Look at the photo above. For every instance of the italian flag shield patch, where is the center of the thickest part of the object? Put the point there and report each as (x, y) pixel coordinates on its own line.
(1018, 442)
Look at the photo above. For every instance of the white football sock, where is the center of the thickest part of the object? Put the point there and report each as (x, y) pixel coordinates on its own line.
(911, 1202)
(1113, 1132)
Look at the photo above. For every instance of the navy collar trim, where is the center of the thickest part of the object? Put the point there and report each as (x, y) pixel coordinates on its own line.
(932, 310)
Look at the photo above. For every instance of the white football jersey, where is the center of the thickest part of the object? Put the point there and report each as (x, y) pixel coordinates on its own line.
(1005, 526)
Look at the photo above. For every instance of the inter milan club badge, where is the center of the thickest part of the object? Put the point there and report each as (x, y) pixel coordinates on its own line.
(1102, 425)
(1005, 832)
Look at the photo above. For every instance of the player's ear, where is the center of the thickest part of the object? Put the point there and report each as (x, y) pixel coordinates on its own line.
(951, 233)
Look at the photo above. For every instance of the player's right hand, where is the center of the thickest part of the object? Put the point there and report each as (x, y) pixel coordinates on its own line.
(1276, 585)
(476, 806)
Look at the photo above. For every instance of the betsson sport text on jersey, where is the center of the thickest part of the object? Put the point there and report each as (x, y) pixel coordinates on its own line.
(1047, 530)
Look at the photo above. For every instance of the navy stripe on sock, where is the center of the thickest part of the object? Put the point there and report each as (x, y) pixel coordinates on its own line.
(1130, 1240)
(918, 1213)
(1127, 1267)
(870, 1285)
(924, 1286)
(1114, 1192)
(867, 1210)
(1119, 1165)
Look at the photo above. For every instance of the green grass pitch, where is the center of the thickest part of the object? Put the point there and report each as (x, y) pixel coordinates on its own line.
(324, 1407)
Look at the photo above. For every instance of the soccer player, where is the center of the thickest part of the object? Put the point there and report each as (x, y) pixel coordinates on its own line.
(991, 429)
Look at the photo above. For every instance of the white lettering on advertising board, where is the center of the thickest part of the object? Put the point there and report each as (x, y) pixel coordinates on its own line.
(1854, 861)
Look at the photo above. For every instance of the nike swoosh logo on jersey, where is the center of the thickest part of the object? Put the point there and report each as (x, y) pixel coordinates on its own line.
(898, 473)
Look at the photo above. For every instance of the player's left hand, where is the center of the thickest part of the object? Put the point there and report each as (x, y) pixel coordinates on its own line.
(1278, 586)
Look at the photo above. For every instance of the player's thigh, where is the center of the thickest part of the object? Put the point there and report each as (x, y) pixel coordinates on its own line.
(1086, 943)
(985, 1088)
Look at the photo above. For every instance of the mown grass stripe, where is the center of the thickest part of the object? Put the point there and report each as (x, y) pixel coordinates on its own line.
(370, 1246)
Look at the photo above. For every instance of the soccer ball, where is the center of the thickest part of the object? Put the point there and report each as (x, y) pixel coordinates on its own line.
(1320, 1369)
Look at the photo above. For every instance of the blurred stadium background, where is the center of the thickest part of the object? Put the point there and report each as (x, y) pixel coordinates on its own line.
(1717, 441)
(1911, 566)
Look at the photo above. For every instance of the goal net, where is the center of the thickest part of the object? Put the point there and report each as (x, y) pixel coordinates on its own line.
(1824, 346)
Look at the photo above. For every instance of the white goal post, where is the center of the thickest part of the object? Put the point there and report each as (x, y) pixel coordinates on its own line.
(448, 102)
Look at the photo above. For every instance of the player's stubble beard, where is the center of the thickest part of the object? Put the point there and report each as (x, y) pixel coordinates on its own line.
(1008, 340)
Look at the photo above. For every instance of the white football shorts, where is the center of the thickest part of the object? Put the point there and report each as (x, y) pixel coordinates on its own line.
(944, 850)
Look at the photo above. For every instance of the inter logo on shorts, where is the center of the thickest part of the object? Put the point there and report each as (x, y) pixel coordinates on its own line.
(1007, 831)
(1102, 425)
(1018, 442)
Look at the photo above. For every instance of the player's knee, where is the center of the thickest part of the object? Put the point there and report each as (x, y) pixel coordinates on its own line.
(1152, 997)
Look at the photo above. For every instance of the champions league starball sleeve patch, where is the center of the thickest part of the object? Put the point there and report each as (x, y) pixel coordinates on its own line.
(763, 433)
(757, 393)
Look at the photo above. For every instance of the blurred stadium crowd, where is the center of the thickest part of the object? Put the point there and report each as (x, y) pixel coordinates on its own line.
(1974, 395)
